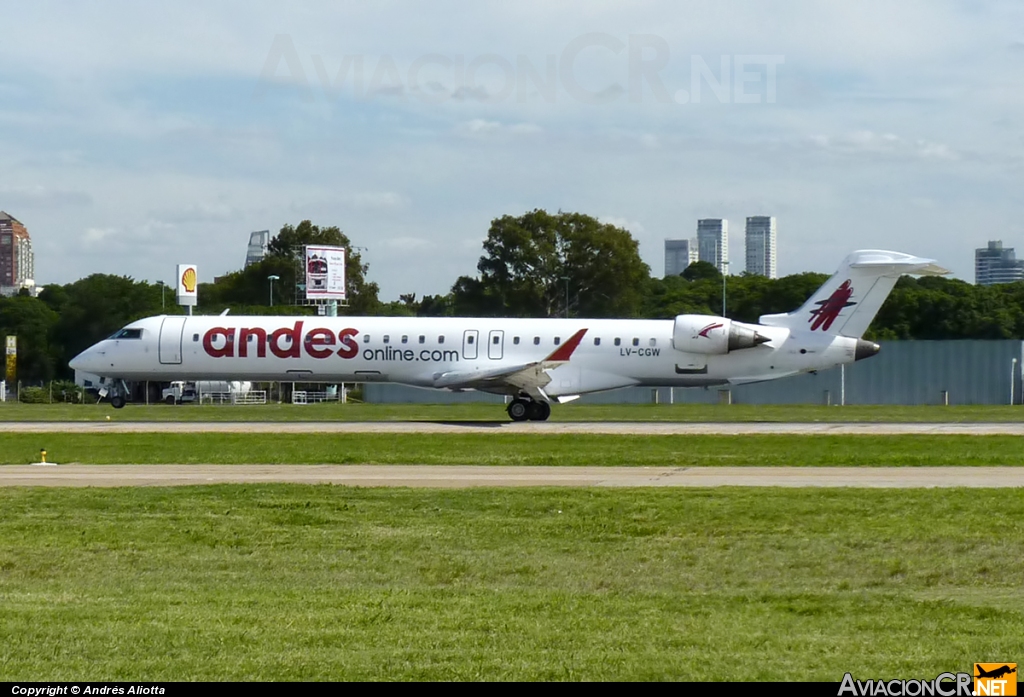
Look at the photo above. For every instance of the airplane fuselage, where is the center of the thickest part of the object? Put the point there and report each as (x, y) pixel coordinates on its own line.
(417, 351)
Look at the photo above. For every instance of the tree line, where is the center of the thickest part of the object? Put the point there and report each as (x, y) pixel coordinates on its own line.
(538, 264)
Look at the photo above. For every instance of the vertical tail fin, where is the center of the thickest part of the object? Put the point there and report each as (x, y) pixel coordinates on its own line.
(849, 300)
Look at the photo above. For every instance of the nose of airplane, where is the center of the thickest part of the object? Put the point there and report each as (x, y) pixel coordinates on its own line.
(77, 363)
(85, 361)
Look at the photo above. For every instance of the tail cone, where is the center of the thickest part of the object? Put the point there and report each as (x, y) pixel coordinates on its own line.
(865, 349)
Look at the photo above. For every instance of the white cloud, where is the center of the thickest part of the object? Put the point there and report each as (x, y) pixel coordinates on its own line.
(483, 127)
(633, 226)
(136, 123)
(649, 140)
(526, 128)
(198, 212)
(480, 126)
(375, 199)
(408, 244)
(882, 144)
(41, 196)
(93, 236)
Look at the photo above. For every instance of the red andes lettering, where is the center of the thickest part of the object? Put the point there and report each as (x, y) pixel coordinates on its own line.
(228, 350)
(295, 338)
(349, 347)
(259, 337)
(316, 338)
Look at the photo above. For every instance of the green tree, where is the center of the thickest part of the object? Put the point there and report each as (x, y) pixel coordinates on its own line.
(32, 322)
(702, 271)
(92, 308)
(251, 287)
(667, 297)
(948, 308)
(546, 265)
(470, 297)
(435, 306)
(748, 296)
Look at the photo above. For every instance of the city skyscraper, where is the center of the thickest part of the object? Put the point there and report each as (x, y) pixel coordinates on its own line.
(257, 250)
(713, 242)
(760, 246)
(997, 264)
(17, 263)
(678, 255)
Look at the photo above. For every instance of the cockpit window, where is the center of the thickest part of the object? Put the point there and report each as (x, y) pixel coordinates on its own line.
(128, 334)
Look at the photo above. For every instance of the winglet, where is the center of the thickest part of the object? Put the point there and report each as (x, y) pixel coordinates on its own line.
(564, 352)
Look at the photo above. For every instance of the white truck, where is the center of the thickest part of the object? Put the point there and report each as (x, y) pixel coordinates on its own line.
(184, 392)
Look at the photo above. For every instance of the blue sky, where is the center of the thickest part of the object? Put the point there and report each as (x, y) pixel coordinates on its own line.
(134, 137)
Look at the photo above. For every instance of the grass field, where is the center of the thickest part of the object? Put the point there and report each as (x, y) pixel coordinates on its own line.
(286, 582)
(10, 411)
(512, 449)
(282, 582)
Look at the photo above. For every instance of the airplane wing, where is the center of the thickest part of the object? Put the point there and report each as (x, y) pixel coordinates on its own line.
(528, 377)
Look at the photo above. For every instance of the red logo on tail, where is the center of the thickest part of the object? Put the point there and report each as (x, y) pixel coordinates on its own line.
(830, 308)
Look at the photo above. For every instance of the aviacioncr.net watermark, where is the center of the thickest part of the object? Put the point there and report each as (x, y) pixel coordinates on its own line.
(594, 68)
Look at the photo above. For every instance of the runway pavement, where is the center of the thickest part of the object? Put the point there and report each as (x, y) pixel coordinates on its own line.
(541, 428)
(458, 477)
(482, 476)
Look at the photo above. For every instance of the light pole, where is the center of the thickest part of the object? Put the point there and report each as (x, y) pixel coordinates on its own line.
(566, 279)
(725, 272)
(1013, 376)
(272, 279)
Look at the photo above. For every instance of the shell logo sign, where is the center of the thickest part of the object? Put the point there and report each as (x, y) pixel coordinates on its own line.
(188, 282)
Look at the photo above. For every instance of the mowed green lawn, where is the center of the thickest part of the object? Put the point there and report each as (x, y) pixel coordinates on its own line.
(10, 411)
(512, 449)
(283, 582)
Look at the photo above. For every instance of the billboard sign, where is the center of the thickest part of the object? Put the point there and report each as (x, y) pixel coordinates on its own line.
(12, 359)
(188, 285)
(325, 273)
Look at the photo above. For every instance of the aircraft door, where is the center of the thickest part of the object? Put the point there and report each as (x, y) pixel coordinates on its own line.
(170, 340)
(470, 338)
(495, 344)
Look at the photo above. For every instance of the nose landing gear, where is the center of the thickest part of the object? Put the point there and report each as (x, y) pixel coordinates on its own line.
(118, 392)
(528, 410)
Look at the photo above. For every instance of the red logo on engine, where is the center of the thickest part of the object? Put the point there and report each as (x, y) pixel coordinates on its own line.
(704, 332)
(830, 308)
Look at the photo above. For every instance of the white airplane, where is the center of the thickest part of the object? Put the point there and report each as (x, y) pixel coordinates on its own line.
(535, 361)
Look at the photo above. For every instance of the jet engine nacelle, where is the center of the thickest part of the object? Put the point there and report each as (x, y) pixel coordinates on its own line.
(713, 335)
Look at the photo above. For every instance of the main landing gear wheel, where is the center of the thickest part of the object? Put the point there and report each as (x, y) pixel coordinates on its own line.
(527, 409)
(117, 401)
(519, 410)
(539, 411)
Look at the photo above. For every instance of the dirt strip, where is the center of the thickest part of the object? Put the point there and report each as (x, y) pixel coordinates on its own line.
(541, 428)
(456, 477)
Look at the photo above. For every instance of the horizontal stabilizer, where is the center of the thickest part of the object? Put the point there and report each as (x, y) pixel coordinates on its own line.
(849, 300)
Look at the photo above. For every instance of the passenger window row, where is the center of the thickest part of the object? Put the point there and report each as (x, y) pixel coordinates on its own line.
(137, 334)
(421, 339)
(515, 340)
(597, 341)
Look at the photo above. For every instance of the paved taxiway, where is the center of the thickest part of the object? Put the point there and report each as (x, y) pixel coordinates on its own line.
(545, 427)
(477, 476)
(466, 476)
